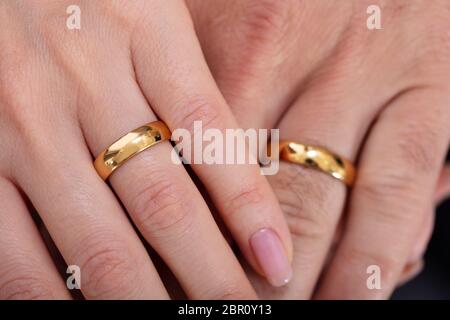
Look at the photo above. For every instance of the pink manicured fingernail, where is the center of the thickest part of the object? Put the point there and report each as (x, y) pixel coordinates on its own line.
(271, 256)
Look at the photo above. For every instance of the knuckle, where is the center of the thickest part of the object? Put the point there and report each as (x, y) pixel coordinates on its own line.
(108, 270)
(306, 197)
(304, 224)
(161, 204)
(417, 142)
(420, 137)
(227, 291)
(17, 105)
(197, 109)
(14, 61)
(124, 13)
(393, 192)
(266, 18)
(25, 286)
(22, 107)
(17, 88)
(378, 188)
(417, 155)
(248, 195)
(359, 259)
(266, 29)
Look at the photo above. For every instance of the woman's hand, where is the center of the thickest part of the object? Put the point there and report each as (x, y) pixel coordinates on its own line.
(66, 95)
(380, 98)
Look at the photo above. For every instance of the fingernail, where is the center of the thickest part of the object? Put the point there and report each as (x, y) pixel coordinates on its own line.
(272, 257)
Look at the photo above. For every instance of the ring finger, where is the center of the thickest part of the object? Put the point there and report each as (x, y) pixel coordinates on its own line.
(329, 115)
(159, 195)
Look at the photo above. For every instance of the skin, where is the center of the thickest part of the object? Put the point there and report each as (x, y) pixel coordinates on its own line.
(64, 97)
(379, 98)
(59, 90)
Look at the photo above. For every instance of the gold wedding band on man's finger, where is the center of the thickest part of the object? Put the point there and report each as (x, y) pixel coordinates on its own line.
(318, 158)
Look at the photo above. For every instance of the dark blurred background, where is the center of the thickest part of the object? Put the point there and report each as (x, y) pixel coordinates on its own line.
(434, 281)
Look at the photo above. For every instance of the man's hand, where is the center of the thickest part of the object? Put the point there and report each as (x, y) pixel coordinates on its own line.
(378, 97)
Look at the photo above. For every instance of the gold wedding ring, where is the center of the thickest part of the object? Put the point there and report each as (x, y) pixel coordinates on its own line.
(130, 145)
(320, 159)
